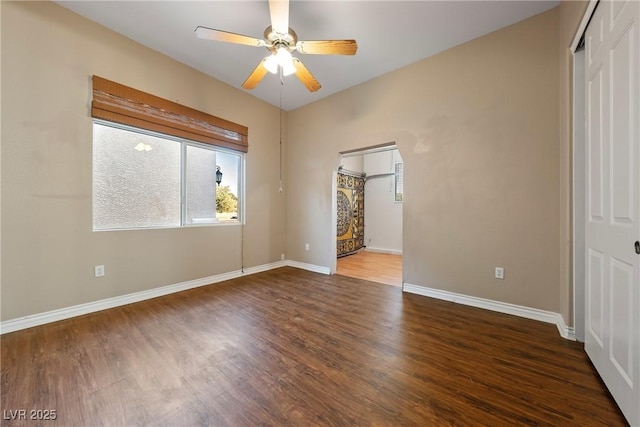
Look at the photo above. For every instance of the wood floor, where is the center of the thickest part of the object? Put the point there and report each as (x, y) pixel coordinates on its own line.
(289, 347)
(373, 266)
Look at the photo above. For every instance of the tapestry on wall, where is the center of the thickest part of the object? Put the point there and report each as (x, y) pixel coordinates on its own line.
(350, 201)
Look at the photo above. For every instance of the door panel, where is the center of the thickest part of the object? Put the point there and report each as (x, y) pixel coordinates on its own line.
(595, 308)
(622, 184)
(612, 299)
(621, 350)
(595, 151)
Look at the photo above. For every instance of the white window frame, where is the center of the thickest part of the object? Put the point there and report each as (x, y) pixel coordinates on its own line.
(183, 181)
(395, 181)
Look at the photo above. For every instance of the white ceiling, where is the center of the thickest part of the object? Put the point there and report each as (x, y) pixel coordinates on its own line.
(390, 35)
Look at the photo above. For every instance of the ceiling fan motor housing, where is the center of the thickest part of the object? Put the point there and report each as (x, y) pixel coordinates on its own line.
(275, 40)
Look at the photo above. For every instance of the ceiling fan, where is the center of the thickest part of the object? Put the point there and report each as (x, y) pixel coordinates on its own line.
(281, 41)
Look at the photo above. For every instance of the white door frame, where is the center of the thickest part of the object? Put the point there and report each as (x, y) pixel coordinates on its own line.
(578, 183)
(579, 196)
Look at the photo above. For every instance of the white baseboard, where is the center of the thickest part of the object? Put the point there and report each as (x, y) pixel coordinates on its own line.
(501, 307)
(310, 267)
(91, 307)
(383, 251)
(567, 332)
(264, 267)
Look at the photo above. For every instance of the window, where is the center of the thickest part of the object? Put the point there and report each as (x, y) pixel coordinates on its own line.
(399, 181)
(157, 166)
(143, 179)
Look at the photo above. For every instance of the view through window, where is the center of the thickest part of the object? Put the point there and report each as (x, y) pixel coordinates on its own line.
(148, 180)
(399, 182)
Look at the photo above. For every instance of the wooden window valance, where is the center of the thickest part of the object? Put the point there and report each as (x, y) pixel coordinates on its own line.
(121, 104)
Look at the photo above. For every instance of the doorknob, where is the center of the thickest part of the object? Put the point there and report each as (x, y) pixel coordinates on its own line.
(637, 247)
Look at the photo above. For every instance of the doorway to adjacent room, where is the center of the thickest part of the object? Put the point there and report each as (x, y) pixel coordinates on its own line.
(369, 203)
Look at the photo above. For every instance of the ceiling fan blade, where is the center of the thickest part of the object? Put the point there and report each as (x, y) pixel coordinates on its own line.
(225, 36)
(328, 47)
(279, 10)
(305, 76)
(256, 76)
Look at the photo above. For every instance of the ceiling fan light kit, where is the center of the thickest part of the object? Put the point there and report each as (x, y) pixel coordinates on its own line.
(281, 41)
(283, 59)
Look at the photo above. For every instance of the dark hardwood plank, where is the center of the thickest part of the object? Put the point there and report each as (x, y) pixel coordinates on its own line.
(290, 347)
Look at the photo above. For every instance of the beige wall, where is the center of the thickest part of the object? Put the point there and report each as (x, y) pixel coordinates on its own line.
(478, 129)
(48, 248)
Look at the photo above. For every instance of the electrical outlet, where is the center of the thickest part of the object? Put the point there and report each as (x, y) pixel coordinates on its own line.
(306, 246)
(281, 257)
(99, 270)
(499, 273)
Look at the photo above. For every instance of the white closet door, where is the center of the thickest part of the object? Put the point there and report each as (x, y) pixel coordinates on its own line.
(612, 330)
